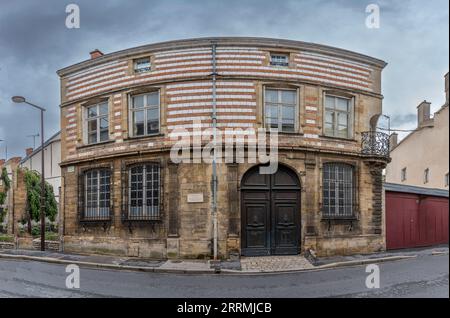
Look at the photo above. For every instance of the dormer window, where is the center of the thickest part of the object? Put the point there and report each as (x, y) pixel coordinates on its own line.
(279, 60)
(142, 65)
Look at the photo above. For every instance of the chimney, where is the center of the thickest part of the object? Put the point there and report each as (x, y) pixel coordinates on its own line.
(393, 141)
(446, 89)
(423, 114)
(95, 54)
(29, 151)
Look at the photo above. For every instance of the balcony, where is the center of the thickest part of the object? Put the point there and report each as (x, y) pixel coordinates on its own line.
(375, 144)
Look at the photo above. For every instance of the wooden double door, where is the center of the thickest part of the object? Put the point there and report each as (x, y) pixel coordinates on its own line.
(270, 213)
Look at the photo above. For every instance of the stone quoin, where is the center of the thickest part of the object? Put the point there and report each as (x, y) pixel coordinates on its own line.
(120, 114)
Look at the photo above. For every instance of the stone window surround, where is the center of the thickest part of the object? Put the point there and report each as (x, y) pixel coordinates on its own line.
(126, 164)
(299, 110)
(131, 62)
(142, 91)
(351, 121)
(356, 185)
(83, 129)
(82, 170)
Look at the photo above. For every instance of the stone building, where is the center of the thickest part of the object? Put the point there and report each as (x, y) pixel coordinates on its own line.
(121, 114)
(421, 158)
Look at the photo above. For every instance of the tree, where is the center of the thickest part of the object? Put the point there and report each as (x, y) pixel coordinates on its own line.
(33, 187)
(6, 186)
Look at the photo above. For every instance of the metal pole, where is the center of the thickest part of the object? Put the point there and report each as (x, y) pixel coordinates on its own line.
(42, 210)
(214, 163)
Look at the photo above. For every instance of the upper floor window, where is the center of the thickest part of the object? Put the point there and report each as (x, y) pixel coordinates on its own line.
(144, 192)
(280, 109)
(144, 115)
(338, 117)
(338, 190)
(142, 65)
(97, 123)
(279, 59)
(446, 180)
(426, 175)
(97, 195)
(403, 174)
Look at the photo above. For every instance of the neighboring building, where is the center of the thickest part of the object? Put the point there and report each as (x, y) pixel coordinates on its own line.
(422, 158)
(122, 194)
(52, 156)
(415, 216)
(11, 166)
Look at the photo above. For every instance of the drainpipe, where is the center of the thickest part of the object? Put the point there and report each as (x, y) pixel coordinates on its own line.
(214, 162)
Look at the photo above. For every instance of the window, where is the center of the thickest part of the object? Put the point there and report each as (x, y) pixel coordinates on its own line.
(403, 174)
(279, 60)
(144, 192)
(145, 114)
(142, 65)
(97, 123)
(338, 117)
(280, 109)
(97, 194)
(338, 190)
(446, 180)
(426, 175)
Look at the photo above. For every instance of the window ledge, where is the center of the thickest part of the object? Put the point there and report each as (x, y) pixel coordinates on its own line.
(96, 144)
(338, 138)
(337, 218)
(144, 137)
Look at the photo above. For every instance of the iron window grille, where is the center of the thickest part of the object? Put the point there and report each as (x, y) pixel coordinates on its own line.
(95, 196)
(338, 191)
(280, 109)
(97, 123)
(279, 60)
(142, 65)
(338, 117)
(142, 195)
(145, 114)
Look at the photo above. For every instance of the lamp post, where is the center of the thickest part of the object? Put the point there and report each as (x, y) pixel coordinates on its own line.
(6, 149)
(20, 99)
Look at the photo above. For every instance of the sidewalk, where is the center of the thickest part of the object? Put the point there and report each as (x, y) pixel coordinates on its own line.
(245, 265)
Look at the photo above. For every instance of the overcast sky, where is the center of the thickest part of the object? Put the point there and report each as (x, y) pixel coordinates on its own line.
(34, 44)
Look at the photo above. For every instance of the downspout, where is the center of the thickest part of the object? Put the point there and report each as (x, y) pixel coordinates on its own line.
(214, 162)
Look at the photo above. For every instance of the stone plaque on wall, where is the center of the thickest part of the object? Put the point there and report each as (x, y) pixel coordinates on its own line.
(195, 198)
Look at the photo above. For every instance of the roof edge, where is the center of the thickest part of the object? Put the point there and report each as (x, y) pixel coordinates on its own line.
(194, 42)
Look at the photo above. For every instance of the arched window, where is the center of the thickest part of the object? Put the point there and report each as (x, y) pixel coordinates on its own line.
(338, 190)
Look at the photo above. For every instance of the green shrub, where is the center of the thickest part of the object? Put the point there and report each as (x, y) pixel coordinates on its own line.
(7, 238)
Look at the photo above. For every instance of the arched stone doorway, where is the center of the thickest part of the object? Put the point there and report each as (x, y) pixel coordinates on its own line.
(270, 213)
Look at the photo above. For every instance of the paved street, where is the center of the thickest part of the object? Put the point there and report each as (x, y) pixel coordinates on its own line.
(426, 276)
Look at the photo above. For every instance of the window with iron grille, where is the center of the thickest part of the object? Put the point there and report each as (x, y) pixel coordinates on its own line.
(142, 65)
(145, 114)
(338, 117)
(97, 195)
(144, 192)
(338, 190)
(279, 60)
(280, 109)
(97, 123)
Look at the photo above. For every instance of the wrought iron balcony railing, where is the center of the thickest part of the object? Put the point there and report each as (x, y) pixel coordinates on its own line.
(374, 143)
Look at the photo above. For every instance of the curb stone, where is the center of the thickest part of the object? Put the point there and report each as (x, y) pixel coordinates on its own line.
(204, 271)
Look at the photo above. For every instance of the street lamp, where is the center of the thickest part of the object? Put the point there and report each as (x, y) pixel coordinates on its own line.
(20, 99)
(6, 149)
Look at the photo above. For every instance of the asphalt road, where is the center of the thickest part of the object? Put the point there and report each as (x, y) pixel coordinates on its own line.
(426, 276)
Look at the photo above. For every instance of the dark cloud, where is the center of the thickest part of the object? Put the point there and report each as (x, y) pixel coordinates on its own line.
(34, 43)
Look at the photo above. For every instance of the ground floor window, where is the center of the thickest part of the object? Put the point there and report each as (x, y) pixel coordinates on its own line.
(97, 194)
(338, 190)
(144, 192)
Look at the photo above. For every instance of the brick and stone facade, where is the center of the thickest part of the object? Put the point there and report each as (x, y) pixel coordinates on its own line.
(181, 71)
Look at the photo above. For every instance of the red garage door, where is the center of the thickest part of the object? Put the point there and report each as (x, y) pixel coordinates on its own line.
(413, 220)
